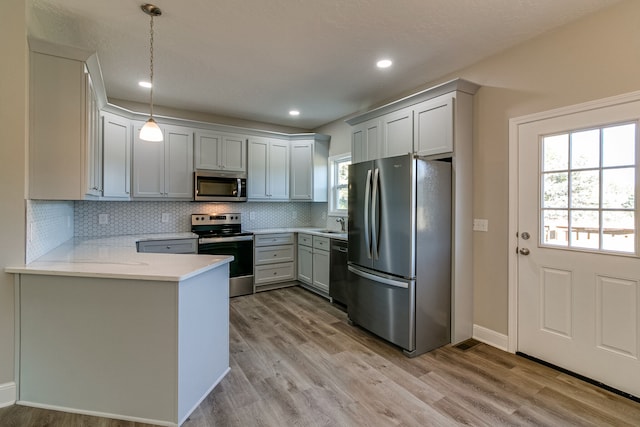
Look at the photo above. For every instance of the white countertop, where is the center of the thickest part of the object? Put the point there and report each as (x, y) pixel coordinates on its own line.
(334, 234)
(116, 257)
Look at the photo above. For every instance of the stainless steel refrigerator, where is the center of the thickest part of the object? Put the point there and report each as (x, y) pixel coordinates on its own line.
(400, 251)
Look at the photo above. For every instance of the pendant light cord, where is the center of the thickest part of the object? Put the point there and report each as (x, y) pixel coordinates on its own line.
(151, 68)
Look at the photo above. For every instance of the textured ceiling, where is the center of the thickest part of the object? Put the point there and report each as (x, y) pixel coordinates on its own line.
(257, 59)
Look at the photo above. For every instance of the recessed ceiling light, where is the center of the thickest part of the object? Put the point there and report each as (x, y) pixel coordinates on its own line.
(145, 84)
(294, 113)
(384, 63)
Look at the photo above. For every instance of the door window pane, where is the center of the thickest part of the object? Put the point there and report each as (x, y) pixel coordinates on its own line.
(618, 145)
(555, 227)
(588, 182)
(585, 189)
(556, 190)
(585, 229)
(618, 231)
(618, 187)
(585, 149)
(555, 153)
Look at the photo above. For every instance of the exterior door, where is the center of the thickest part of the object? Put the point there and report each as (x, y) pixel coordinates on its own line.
(578, 262)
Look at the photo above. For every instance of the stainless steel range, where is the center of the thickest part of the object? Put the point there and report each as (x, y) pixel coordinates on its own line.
(221, 234)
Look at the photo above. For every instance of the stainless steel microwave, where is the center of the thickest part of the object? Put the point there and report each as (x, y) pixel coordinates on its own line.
(210, 186)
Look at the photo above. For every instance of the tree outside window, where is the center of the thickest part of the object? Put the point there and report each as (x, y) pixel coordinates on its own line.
(339, 184)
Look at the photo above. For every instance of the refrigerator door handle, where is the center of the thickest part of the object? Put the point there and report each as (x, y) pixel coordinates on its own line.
(367, 229)
(374, 210)
(379, 279)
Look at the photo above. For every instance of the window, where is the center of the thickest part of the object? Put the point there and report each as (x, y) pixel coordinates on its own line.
(588, 181)
(339, 184)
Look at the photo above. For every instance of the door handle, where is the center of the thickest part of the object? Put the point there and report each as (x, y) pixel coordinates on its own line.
(367, 229)
(524, 251)
(374, 213)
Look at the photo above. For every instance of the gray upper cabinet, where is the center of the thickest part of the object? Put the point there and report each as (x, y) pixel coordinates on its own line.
(163, 170)
(268, 175)
(64, 143)
(433, 126)
(309, 170)
(221, 152)
(397, 133)
(423, 124)
(116, 145)
(365, 140)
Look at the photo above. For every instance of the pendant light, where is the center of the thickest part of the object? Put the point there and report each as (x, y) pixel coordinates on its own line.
(151, 131)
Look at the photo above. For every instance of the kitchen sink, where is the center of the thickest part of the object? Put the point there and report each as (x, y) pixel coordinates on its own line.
(333, 232)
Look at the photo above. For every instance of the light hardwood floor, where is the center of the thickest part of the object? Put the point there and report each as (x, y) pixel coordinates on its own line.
(295, 361)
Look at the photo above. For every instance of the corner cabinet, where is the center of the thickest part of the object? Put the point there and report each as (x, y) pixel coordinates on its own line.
(309, 170)
(219, 151)
(436, 123)
(268, 176)
(163, 170)
(64, 145)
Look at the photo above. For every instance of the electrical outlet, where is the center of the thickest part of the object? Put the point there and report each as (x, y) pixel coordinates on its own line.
(324, 215)
(103, 219)
(165, 217)
(480, 224)
(30, 232)
(252, 216)
(295, 214)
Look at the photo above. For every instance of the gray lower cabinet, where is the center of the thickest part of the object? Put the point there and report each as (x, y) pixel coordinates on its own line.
(172, 246)
(314, 263)
(274, 259)
(305, 259)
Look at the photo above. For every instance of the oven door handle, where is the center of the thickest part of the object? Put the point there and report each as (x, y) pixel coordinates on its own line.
(205, 240)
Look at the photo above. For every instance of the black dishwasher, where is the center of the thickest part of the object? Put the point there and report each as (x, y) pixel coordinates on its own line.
(338, 272)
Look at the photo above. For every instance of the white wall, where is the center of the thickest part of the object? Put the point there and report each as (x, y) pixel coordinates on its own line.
(13, 135)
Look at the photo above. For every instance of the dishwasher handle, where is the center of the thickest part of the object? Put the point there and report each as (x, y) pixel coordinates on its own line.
(340, 248)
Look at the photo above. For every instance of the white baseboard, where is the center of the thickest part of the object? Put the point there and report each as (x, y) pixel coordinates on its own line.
(7, 394)
(491, 337)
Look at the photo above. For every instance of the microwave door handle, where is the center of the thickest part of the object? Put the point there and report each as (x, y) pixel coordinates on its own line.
(239, 188)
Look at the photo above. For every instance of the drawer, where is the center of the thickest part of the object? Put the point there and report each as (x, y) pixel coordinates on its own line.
(174, 246)
(305, 239)
(322, 243)
(271, 254)
(273, 239)
(273, 273)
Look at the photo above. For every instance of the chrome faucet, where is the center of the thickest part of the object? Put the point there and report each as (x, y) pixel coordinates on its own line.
(341, 221)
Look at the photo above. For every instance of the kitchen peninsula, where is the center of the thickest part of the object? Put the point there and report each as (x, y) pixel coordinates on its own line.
(104, 330)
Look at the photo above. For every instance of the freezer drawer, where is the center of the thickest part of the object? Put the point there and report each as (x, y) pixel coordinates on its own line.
(383, 305)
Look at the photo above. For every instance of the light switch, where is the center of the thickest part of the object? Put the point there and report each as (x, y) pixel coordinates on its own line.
(103, 219)
(480, 224)
(165, 217)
